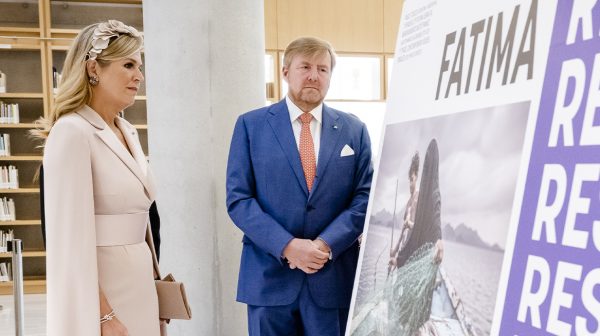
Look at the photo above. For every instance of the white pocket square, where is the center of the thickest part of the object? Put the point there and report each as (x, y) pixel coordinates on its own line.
(346, 151)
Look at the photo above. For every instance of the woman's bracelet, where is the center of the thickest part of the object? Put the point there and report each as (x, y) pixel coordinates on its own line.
(107, 317)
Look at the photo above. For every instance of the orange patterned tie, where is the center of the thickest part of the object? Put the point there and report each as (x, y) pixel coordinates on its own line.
(307, 150)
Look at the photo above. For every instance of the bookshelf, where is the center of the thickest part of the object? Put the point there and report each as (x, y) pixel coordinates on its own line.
(34, 38)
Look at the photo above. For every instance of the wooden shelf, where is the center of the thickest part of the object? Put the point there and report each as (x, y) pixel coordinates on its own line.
(20, 191)
(140, 98)
(31, 285)
(22, 222)
(26, 254)
(21, 95)
(27, 31)
(14, 43)
(20, 38)
(124, 2)
(21, 158)
(21, 125)
(141, 127)
(62, 47)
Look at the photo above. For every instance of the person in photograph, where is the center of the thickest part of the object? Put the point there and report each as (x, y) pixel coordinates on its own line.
(408, 220)
(403, 306)
(97, 193)
(427, 216)
(298, 181)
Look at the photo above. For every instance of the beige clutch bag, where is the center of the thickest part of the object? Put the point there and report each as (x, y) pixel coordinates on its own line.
(172, 300)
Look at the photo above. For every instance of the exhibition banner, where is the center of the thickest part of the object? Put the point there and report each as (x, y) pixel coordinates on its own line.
(484, 217)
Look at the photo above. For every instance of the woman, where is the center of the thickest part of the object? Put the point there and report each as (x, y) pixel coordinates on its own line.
(98, 191)
(403, 306)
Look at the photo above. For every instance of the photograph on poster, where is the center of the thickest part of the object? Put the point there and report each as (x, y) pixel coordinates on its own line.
(440, 213)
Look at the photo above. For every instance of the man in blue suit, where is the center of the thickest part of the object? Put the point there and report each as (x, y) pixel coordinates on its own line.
(298, 181)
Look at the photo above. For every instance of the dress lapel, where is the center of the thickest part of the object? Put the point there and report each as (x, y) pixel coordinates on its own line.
(131, 137)
(111, 141)
(279, 119)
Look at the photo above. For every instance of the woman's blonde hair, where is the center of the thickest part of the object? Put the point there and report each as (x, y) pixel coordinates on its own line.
(75, 89)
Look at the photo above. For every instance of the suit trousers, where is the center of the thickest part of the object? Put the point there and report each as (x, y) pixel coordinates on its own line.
(301, 317)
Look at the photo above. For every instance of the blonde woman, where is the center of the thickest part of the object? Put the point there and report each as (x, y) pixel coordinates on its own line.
(98, 191)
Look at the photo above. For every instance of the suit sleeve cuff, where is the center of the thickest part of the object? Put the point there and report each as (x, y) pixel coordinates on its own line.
(329, 247)
(281, 257)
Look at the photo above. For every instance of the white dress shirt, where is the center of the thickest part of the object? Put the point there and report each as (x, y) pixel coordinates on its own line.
(315, 124)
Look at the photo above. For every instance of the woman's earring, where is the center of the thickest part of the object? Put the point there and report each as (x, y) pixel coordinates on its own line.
(94, 81)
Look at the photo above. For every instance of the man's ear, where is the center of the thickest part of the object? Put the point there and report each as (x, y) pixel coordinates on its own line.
(91, 67)
(284, 72)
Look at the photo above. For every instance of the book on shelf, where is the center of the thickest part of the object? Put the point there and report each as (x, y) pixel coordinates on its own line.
(5, 271)
(9, 113)
(2, 82)
(56, 77)
(9, 177)
(5, 144)
(5, 237)
(7, 209)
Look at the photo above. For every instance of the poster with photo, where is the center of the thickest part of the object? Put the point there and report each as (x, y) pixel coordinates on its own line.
(484, 217)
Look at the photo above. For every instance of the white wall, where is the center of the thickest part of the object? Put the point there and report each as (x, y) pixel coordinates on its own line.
(204, 67)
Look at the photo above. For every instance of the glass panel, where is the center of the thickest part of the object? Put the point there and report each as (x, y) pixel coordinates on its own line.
(371, 113)
(23, 14)
(354, 78)
(390, 65)
(270, 76)
(284, 85)
(76, 15)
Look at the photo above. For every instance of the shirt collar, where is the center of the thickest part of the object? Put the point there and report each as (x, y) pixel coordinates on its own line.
(296, 112)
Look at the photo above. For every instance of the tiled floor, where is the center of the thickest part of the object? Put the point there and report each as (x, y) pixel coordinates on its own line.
(35, 315)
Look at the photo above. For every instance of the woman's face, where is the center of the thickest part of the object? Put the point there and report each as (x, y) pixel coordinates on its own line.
(119, 81)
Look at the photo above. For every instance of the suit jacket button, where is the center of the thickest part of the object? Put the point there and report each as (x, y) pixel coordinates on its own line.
(309, 208)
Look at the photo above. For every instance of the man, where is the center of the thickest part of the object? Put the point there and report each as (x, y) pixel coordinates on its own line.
(426, 223)
(409, 211)
(298, 181)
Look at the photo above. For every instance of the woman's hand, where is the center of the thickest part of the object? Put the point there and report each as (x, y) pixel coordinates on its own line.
(113, 327)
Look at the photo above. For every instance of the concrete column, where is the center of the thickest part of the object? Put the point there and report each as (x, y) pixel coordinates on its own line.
(204, 67)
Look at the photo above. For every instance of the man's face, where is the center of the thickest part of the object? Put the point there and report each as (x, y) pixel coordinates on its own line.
(308, 79)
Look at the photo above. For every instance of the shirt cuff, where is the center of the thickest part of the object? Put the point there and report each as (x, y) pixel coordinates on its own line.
(324, 242)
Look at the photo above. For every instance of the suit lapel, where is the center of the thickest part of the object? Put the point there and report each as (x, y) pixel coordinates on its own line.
(111, 141)
(331, 130)
(279, 120)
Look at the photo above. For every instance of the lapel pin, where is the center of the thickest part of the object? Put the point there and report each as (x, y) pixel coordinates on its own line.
(334, 126)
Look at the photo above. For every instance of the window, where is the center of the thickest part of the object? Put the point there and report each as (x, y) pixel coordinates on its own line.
(354, 78)
(371, 113)
(356, 87)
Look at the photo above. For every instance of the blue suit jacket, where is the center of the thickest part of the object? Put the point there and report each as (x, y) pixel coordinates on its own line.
(267, 198)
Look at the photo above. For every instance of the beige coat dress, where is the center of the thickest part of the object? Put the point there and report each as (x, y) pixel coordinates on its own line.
(97, 197)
